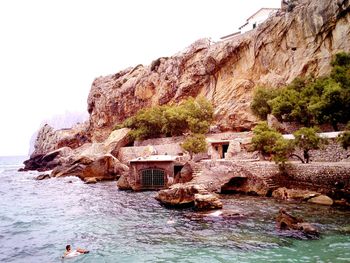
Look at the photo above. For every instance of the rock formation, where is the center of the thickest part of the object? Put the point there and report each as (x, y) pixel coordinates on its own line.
(286, 221)
(213, 177)
(297, 41)
(49, 139)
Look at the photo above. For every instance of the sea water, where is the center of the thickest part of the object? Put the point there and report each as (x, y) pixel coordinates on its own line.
(39, 218)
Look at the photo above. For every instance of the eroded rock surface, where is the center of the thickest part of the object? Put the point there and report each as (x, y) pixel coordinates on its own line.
(295, 42)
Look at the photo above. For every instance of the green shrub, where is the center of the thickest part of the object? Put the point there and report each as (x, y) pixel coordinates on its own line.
(194, 144)
(260, 104)
(265, 138)
(310, 101)
(270, 142)
(192, 115)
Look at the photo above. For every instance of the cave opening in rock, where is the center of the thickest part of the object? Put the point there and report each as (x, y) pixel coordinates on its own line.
(235, 185)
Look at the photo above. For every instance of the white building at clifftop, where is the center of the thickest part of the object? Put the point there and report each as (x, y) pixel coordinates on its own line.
(257, 18)
(253, 21)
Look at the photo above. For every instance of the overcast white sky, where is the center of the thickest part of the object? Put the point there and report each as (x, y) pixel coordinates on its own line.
(50, 51)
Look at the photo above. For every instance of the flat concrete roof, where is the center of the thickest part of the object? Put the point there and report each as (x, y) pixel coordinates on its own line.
(327, 135)
(155, 158)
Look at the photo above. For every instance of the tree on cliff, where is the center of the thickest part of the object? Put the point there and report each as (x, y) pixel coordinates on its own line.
(310, 100)
(192, 115)
(269, 142)
(194, 144)
(307, 139)
(260, 104)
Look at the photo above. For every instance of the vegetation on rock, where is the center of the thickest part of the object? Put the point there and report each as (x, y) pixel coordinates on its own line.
(194, 144)
(260, 105)
(307, 139)
(192, 115)
(270, 142)
(311, 100)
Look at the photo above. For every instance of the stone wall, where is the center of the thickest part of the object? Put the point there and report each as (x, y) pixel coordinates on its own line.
(326, 178)
(332, 152)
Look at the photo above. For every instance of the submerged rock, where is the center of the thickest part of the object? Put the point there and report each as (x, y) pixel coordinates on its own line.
(42, 177)
(286, 221)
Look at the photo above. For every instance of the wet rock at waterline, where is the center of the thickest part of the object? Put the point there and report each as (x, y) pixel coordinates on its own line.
(321, 200)
(123, 183)
(91, 180)
(302, 195)
(42, 177)
(286, 221)
(207, 202)
(48, 161)
(106, 167)
(284, 193)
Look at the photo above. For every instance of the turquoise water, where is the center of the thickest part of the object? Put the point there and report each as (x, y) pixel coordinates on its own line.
(38, 218)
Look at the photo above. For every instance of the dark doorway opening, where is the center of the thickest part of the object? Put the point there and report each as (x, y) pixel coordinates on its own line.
(224, 150)
(177, 169)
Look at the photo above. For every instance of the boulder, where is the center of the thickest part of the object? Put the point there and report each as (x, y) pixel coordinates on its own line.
(106, 167)
(233, 149)
(117, 139)
(48, 139)
(179, 195)
(272, 122)
(207, 202)
(45, 162)
(286, 221)
(90, 180)
(185, 175)
(321, 200)
(123, 183)
(295, 194)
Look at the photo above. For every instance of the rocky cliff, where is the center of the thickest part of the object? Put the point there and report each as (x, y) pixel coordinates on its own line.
(296, 41)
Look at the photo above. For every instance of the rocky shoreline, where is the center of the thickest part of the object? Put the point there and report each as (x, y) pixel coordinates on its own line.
(198, 183)
(290, 44)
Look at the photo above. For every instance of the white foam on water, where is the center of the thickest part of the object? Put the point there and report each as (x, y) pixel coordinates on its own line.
(216, 213)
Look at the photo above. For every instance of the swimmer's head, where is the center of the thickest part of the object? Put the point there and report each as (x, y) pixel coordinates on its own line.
(68, 247)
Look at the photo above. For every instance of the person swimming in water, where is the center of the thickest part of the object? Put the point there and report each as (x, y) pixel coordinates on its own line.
(69, 253)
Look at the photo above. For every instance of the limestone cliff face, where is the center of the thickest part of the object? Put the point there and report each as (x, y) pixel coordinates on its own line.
(290, 44)
(49, 139)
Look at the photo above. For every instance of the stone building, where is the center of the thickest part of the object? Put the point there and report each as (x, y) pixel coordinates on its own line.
(154, 172)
